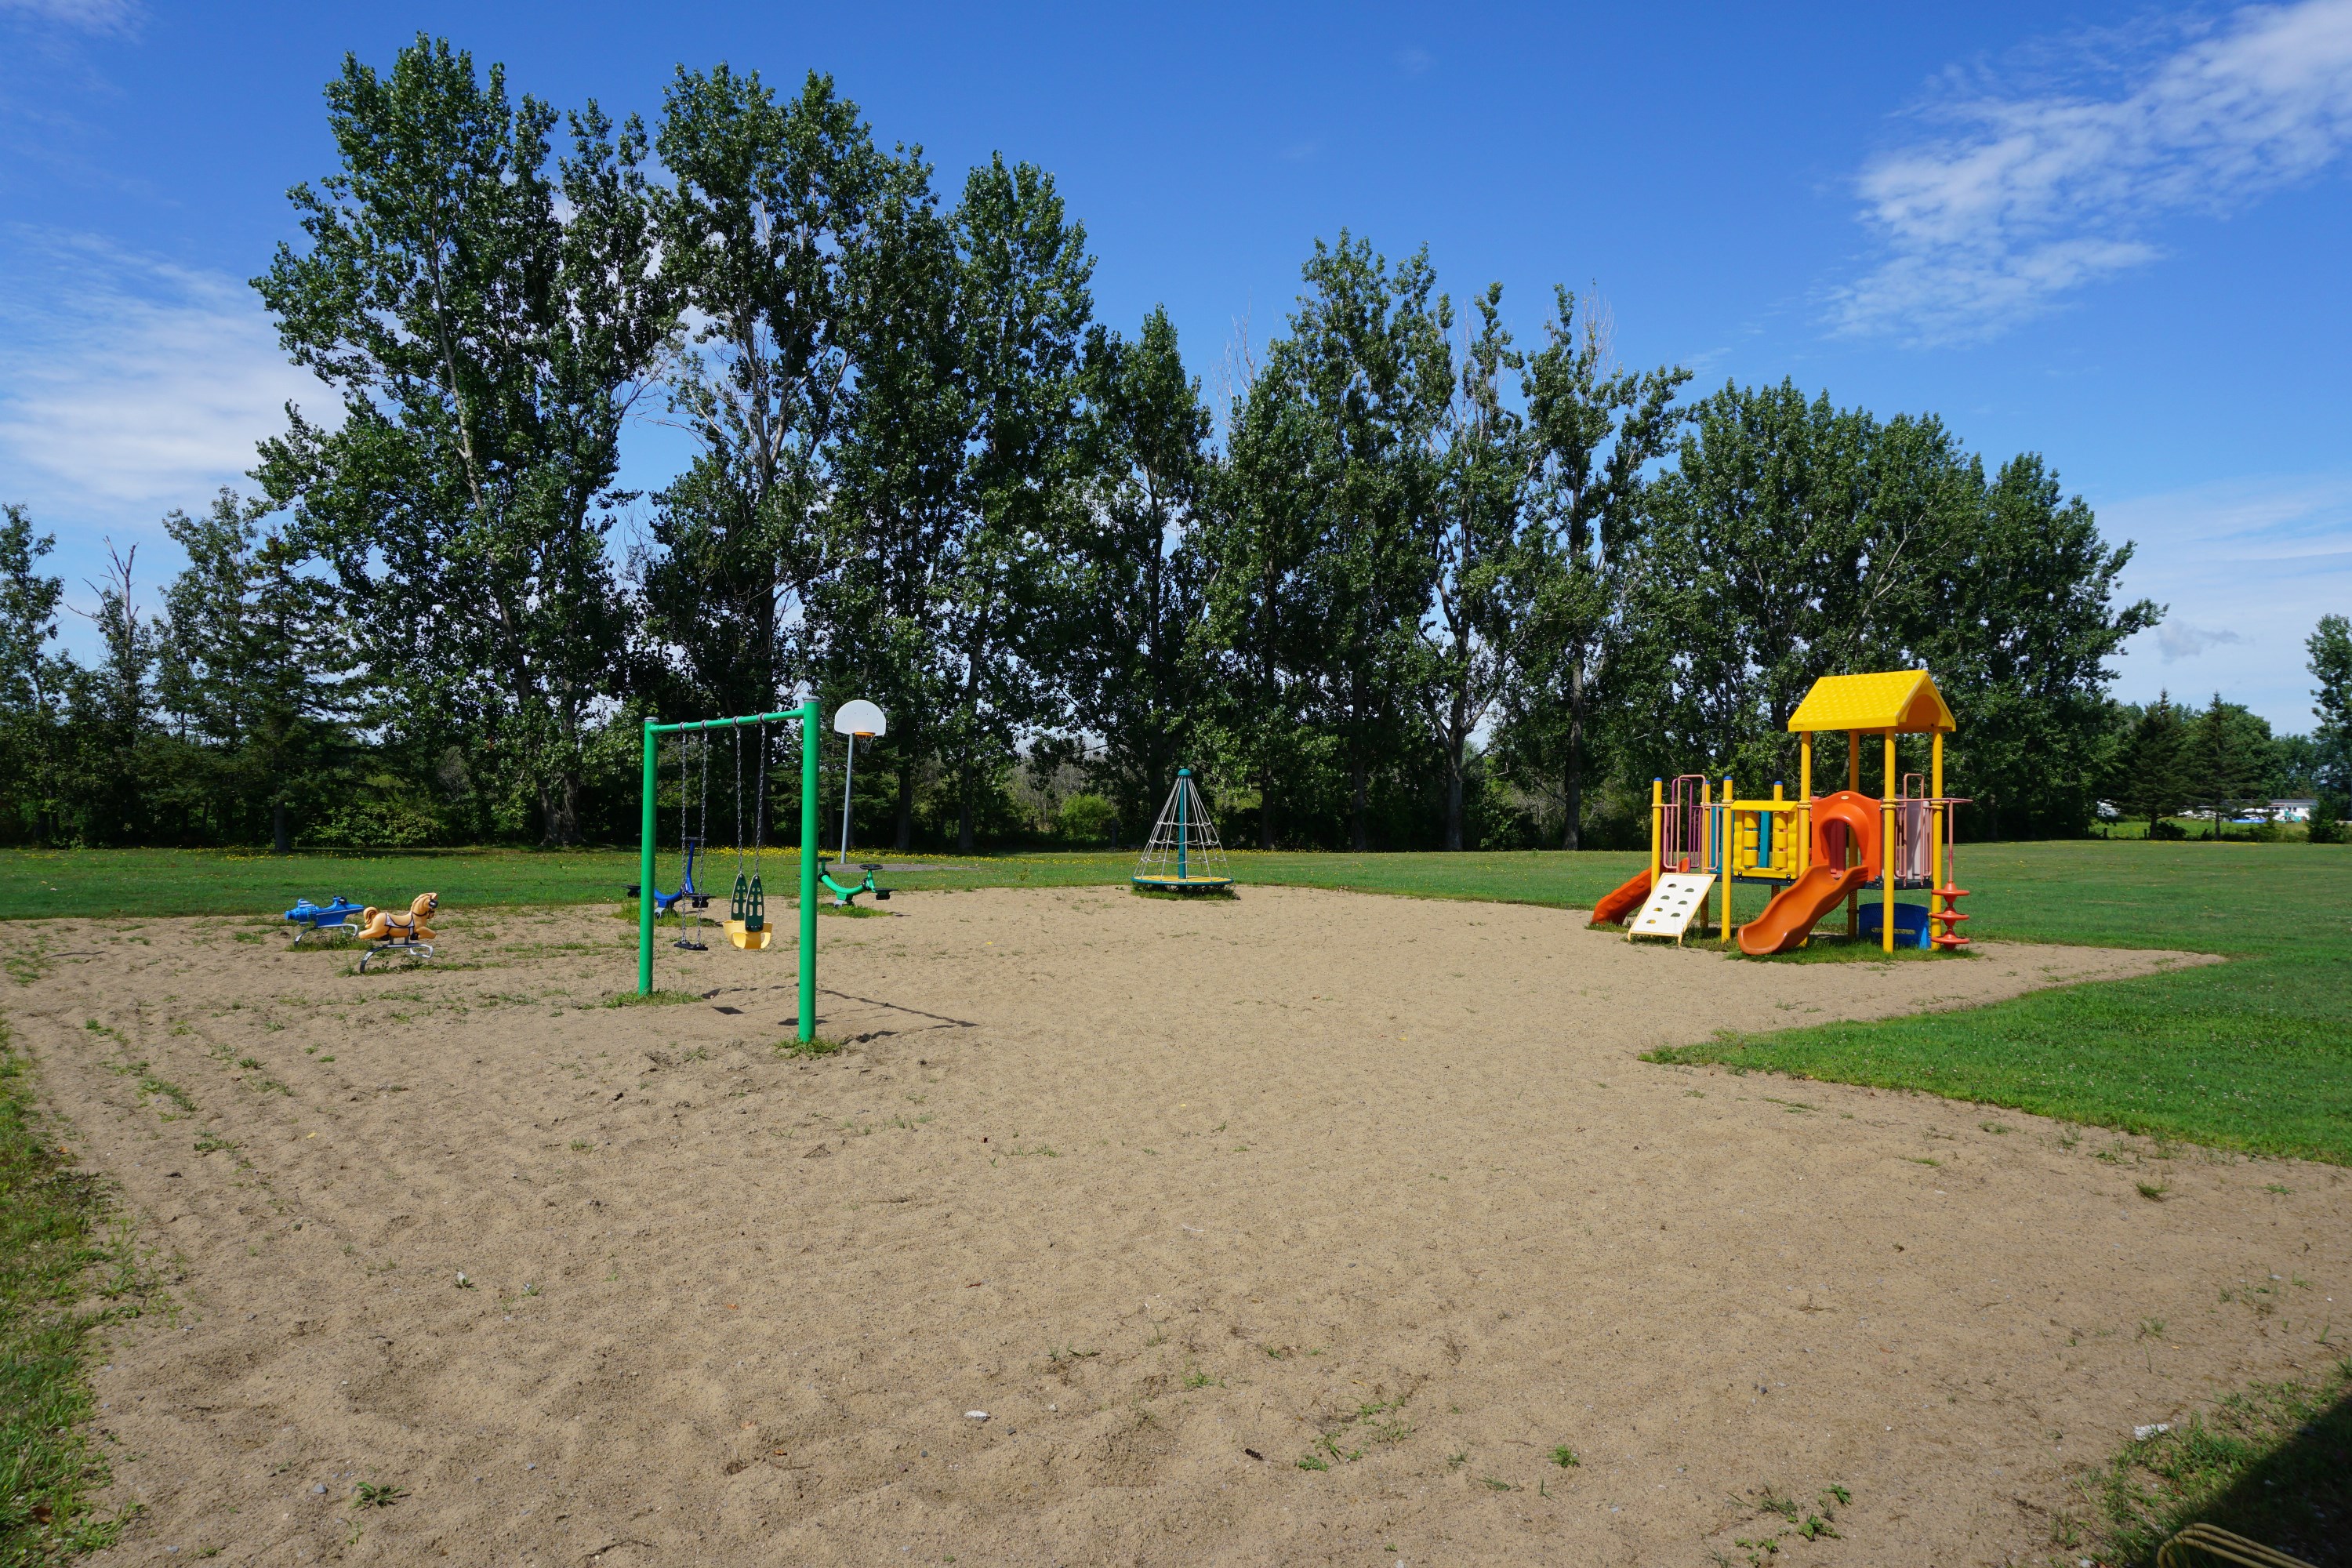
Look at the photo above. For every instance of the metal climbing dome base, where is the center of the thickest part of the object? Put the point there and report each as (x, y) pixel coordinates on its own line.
(1184, 855)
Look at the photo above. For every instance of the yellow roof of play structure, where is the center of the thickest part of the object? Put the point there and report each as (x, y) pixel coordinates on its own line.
(1904, 700)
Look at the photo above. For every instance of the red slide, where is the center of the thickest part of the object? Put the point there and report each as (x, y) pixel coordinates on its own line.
(1789, 918)
(1619, 906)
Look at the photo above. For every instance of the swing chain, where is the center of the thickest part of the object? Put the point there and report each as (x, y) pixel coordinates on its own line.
(736, 908)
(755, 907)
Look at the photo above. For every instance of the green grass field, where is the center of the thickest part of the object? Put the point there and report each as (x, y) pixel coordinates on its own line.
(130, 883)
(2255, 1054)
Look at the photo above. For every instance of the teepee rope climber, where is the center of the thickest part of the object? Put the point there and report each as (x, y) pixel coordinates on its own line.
(1184, 855)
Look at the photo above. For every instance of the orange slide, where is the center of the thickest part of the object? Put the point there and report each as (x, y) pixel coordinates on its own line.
(1619, 906)
(1789, 918)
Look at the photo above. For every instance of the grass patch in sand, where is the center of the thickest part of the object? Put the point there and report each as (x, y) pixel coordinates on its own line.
(654, 998)
(2271, 1462)
(2253, 1054)
(805, 1049)
(52, 1257)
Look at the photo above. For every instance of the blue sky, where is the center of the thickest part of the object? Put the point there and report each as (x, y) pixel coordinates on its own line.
(2117, 234)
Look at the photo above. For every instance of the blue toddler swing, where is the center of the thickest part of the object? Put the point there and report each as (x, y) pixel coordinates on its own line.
(690, 845)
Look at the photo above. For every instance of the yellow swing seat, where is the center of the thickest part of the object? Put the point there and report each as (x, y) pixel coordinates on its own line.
(746, 939)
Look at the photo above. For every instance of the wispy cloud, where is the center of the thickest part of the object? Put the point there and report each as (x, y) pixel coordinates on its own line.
(1414, 60)
(130, 382)
(88, 15)
(2246, 568)
(2026, 195)
(2178, 640)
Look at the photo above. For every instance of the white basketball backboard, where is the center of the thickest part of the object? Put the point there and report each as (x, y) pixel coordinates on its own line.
(858, 717)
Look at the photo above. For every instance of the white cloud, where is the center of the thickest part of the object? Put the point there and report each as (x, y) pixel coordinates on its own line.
(2179, 639)
(2245, 568)
(1414, 60)
(90, 16)
(2026, 196)
(131, 382)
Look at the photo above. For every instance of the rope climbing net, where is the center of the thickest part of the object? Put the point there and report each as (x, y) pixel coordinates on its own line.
(1183, 854)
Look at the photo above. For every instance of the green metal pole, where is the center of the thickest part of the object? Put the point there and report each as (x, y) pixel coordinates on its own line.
(809, 734)
(646, 868)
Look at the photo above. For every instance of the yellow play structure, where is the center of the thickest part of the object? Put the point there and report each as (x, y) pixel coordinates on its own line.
(1816, 853)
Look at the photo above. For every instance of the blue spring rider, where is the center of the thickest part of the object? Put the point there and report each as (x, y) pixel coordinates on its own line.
(334, 917)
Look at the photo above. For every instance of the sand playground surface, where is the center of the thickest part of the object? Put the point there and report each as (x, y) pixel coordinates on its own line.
(1310, 1227)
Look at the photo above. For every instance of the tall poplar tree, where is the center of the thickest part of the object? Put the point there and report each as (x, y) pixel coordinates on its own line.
(1599, 432)
(1023, 304)
(2330, 650)
(30, 675)
(897, 512)
(1368, 354)
(1266, 516)
(768, 215)
(486, 322)
(1475, 635)
(1127, 602)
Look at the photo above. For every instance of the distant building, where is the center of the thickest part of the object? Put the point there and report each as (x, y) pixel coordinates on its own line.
(2292, 810)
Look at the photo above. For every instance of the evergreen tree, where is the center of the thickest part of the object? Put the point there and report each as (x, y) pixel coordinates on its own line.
(2148, 772)
(249, 661)
(2222, 756)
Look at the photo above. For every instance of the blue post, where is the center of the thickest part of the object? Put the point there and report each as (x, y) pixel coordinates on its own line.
(1181, 776)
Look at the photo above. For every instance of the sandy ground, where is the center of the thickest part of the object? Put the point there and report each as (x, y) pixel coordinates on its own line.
(1300, 1229)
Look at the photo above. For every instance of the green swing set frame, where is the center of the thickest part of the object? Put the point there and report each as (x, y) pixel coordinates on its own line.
(805, 715)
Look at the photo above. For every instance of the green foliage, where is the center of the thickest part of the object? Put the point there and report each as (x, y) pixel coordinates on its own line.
(1088, 819)
(1597, 433)
(463, 500)
(766, 232)
(2149, 776)
(1127, 576)
(1797, 540)
(2330, 646)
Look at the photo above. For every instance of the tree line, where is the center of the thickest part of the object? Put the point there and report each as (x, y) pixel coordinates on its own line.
(1407, 582)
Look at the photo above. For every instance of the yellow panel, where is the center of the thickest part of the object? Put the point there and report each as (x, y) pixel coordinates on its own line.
(1904, 701)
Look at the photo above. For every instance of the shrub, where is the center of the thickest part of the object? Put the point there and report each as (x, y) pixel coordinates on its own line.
(1088, 819)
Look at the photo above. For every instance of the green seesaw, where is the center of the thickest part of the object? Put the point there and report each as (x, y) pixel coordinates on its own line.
(856, 719)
